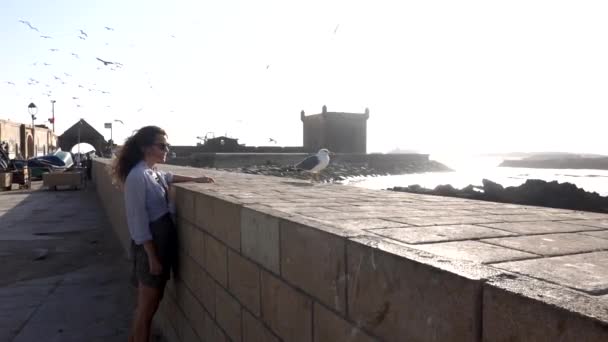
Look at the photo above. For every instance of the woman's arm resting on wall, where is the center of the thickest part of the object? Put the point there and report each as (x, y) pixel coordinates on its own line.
(181, 179)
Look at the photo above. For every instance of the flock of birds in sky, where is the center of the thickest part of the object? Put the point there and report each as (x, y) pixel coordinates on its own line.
(81, 88)
(46, 86)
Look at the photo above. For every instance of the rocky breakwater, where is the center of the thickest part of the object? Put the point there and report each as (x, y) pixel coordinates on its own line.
(339, 171)
(532, 192)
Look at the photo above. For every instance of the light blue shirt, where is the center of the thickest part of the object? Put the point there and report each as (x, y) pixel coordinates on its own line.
(145, 199)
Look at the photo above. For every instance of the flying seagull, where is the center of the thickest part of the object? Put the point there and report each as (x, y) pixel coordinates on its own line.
(314, 164)
(336, 29)
(53, 50)
(68, 75)
(75, 55)
(272, 140)
(84, 33)
(46, 37)
(109, 28)
(81, 37)
(11, 83)
(46, 64)
(104, 62)
(28, 24)
(119, 121)
(74, 98)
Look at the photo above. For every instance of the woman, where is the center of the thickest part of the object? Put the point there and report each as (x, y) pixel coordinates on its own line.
(153, 235)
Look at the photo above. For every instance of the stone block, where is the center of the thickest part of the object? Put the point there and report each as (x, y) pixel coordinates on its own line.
(586, 272)
(189, 271)
(54, 179)
(508, 316)
(540, 227)
(287, 311)
(203, 211)
(260, 238)
(205, 292)
(552, 244)
(474, 251)
(216, 260)
(255, 331)
(228, 313)
(6, 180)
(191, 241)
(602, 234)
(405, 300)
(244, 281)
(434, 218)
(184, 204)
(186, 300)
(315, 262)
(198, 246)
(213, 333)
(197, 319)
(597, 223)
(331, 327)
(430, 234)
(226, 222)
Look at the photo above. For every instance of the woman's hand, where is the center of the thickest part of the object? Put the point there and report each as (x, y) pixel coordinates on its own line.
(156, 268)
(204, 180)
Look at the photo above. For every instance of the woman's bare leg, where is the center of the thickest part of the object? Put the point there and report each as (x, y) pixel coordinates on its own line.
(132, 333)
(148, 299)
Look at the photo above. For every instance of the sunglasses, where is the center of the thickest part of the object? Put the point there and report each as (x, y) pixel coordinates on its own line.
(162, 146)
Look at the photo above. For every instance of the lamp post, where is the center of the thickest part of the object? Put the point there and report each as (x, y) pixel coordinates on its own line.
(109, 125)
(52, 120)
(32, 109)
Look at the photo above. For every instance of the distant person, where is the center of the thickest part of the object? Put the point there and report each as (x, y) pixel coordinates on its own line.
(153, 234)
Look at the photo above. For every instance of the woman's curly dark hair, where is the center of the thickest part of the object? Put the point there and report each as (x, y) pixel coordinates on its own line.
(132, 152)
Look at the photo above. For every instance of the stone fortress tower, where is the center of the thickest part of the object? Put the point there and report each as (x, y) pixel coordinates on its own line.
(336, 131)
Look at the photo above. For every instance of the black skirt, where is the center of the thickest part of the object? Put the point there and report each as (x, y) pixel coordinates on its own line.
(164, 235)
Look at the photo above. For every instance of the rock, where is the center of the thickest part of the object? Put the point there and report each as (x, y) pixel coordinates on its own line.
(532, 192)
(40, 253)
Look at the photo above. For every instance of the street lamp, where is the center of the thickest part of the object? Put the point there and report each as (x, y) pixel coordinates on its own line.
(32, 109)
(52, 120)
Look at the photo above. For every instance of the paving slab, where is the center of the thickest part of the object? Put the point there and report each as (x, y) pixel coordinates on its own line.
(441, 218)
(474, 251)
(64, 276)
(540, 227)
(552, 244)
(587, 272)
(602, 234)
(415, 235)
(591, 223)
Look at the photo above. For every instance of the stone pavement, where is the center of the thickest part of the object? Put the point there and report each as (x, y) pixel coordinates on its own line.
(64, 276)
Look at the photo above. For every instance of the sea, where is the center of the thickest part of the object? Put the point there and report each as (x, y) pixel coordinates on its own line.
(473, 169)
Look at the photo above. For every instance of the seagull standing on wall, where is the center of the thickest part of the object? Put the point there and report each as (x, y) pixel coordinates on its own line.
(315, 164)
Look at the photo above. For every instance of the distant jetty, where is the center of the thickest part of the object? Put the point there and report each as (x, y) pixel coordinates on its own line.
(596, 163)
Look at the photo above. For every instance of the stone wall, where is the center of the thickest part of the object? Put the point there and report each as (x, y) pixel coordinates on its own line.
(268, 259)
(235, 160)
(17, 134)
(11, 133)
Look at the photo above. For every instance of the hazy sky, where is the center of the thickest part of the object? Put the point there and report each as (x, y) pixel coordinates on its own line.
(437, 76)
